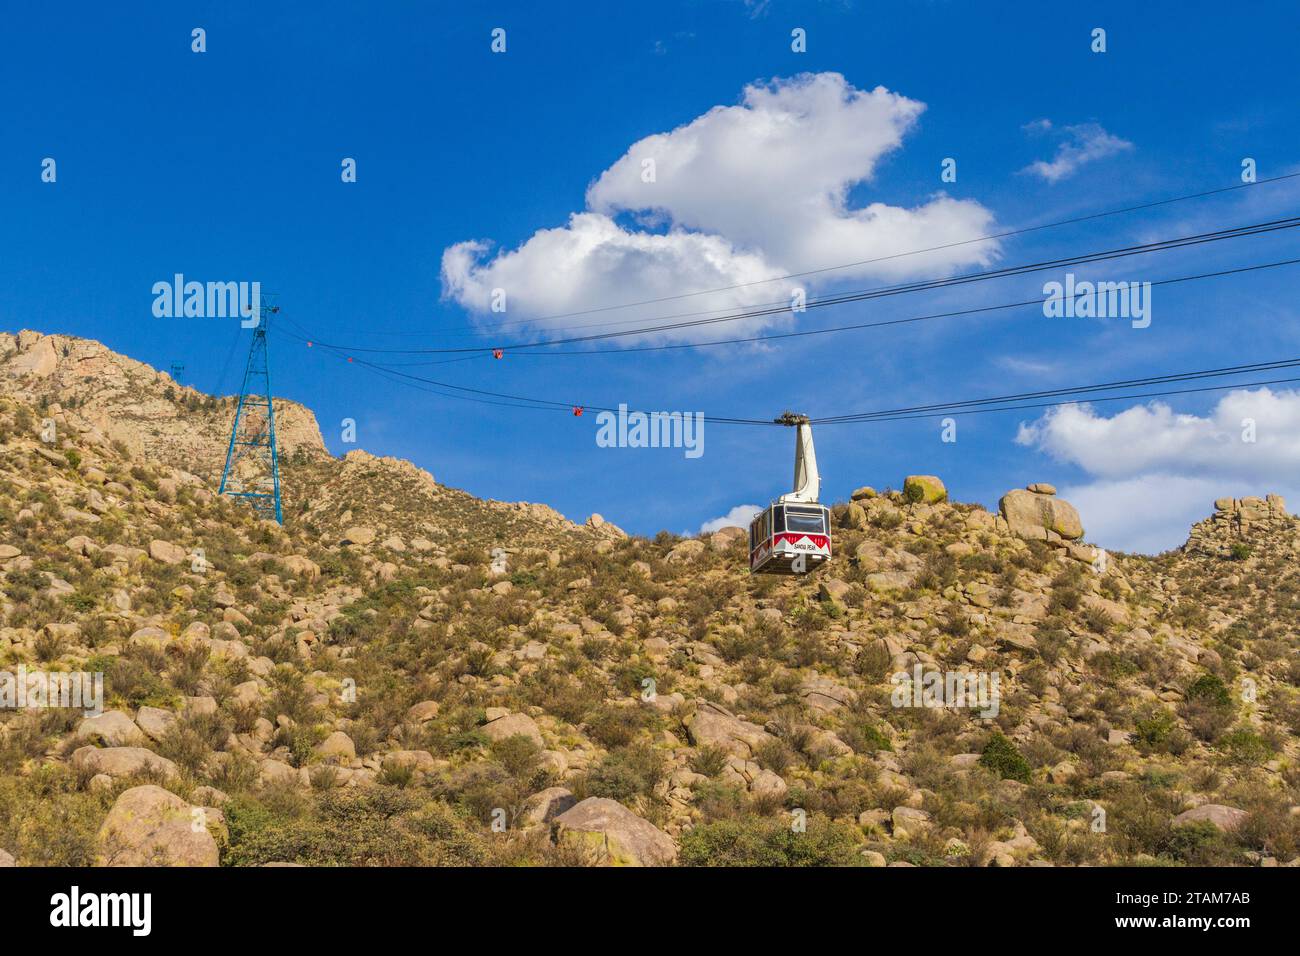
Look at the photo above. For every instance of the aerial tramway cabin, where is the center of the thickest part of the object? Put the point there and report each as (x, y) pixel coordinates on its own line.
(793, 534)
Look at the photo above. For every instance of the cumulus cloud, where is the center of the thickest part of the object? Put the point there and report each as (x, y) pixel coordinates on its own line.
(740, 194)
(1144, 515)
(594, 261)
(738, 517)
(1155, 471)
(1153, 437)
(1081, 144)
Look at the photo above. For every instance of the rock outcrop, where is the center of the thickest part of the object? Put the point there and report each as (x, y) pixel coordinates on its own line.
(1036, 513)
(90, 390)
(1240, 523)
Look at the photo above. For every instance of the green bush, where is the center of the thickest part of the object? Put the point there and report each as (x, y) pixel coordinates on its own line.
(760, 841)
(709, 760)
(1001, 756)
(378, 826)
(626, 773)
(1203, 844)
(1244, 746)
(1211, 691)
(1154, 729)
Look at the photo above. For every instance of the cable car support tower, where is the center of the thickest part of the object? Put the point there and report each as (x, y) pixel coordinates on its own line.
(252, 469)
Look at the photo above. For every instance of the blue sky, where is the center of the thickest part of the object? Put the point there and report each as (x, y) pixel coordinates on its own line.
(225, 165)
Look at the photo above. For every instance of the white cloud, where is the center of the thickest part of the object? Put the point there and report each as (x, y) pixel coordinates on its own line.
(739, 194)
(593, 261)
(738, 517)
(1027, 366)
(1147, 514)
(1152, 437)
(1155, 472)
(1084, 143)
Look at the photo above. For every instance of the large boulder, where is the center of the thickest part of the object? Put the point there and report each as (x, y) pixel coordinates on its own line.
(121, 762)
(112, 728)
(148, 826)
(616, 835)
(822, 693)
(1224, 818)
(338, 746)
(304, 568)
(166, 552)
(509, 725)
(712, 725)
(723, 538)
(686, 551)
(155, 721)
(909, 821)
(418, 761)
(1040, 515)
(926, 488)
(358, 534)
(424, 711)
(545, 805)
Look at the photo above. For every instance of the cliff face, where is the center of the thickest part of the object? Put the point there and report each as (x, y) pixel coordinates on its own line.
(85, 387)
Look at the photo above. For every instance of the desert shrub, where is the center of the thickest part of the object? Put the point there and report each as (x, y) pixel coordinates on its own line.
(758, 841)
(1153, 729)
(378, 826)
(518, 754)
(774, 755)
(134, 679)
(1001, 756)
(1202, 844)
(1244, 746)
(45, 821)
(865, 737)
(1211, 691)
(188, 743)
(709, 760)
(626, 773)
(613, 726)
(1208, 707)
(873, 660)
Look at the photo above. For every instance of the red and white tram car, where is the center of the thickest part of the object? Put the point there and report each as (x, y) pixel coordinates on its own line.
(793, 534)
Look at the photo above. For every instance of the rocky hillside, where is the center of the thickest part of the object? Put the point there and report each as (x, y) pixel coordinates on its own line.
(96, 392)
(96, 396)
(957, 687)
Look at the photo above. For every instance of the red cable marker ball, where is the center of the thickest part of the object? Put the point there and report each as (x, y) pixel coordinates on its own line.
(497, 353)
(577, 410)
(349, 358)
(308, 345)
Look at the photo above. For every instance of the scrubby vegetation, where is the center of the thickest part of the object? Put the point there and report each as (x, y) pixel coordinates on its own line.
(405, 675)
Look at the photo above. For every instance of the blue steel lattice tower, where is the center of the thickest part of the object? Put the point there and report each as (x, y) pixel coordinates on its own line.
(252, 467)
